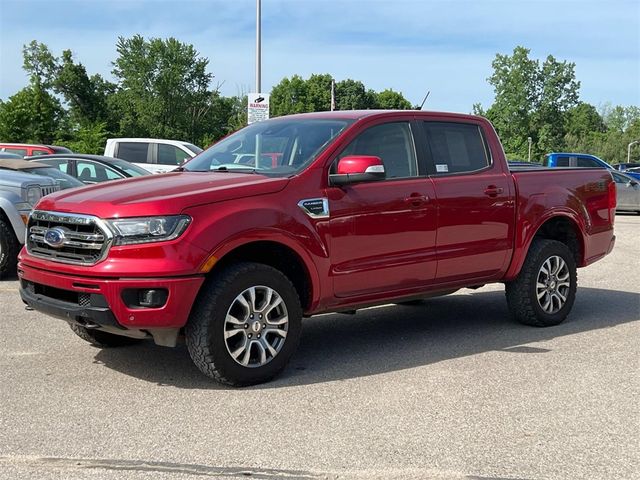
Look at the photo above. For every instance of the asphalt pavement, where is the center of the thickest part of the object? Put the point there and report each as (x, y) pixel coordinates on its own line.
(451, 389)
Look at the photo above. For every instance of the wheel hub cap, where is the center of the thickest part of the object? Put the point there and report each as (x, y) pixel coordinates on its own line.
(553, 284)
(256, 326)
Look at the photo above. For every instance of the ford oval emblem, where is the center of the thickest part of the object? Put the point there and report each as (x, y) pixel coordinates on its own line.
(54, 237)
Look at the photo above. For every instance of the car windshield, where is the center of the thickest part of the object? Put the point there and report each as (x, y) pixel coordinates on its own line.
(193, 148)
(130, 168)
(279, 147)
(61, 178)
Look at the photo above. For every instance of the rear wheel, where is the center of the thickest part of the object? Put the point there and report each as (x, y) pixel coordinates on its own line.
(101, 339)
(9, 248)
(245, 326)
(543, 293)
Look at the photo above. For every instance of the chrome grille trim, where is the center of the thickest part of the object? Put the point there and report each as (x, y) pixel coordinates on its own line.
(87, 238)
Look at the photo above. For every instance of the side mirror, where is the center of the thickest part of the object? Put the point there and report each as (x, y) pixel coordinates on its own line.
(632, 183)
(358, 168)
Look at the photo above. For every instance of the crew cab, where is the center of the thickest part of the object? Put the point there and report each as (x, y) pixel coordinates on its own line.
(354, 209)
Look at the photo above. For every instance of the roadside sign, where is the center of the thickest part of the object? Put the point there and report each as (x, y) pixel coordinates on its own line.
(258, 107)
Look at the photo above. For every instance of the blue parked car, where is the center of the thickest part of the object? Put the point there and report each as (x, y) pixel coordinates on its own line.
(583, 160)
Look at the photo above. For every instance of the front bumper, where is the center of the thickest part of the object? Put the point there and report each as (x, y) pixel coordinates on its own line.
(102, 301)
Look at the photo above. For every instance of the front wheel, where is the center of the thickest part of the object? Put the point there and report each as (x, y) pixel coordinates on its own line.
(543, 293)
(245, 326)
(9, 248)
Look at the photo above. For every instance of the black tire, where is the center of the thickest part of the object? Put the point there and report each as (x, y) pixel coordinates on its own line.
(522, 293)
(207, 327)
(101, 339)
(9, 249)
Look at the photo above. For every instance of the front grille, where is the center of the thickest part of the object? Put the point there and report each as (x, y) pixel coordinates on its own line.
(48, 190)
(68, 237)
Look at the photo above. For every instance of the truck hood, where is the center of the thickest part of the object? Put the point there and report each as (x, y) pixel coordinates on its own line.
(162, 194)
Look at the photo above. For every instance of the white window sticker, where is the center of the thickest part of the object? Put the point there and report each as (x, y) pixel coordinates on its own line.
(440, 168)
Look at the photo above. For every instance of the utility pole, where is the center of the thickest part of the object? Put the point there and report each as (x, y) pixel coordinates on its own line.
(629, 150)
(258, 48)
(333, 94)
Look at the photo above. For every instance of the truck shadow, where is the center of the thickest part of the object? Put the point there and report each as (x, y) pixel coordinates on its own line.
(391, 338)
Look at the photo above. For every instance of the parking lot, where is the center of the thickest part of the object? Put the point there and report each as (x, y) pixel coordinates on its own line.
(447, 390)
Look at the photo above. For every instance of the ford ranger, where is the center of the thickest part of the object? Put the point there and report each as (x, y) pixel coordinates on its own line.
(347, 210)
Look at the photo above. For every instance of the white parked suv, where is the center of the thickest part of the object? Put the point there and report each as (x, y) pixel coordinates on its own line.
(153, 154)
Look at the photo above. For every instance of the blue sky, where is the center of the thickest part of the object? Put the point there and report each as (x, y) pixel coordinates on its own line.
(409, 45)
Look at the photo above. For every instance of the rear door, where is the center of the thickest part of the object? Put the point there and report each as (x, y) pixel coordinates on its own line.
(383, 232)
(475, 202)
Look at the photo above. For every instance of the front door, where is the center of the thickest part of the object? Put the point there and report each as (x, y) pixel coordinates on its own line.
(383, 233)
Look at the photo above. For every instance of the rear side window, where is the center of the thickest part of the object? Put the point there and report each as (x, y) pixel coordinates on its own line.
(170, 155)
(39, 152)
(456, 147)
(563, 162)
(18, 151)
(135, 152)
(588, 163)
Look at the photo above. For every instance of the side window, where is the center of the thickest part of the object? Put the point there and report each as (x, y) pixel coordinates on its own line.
(86, 172)
(18, 151)
(456, 147)
(393, 143)
(39, 152)
(112, 174)
(94, 172)
(135, 152)
(587, 162)
(563, 162)
(62, 165)
(170, 155)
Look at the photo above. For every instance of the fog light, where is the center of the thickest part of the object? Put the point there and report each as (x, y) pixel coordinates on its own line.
(152, 298)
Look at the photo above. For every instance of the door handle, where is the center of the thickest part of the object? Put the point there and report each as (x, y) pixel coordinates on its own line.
(416, 199)
(493, 191)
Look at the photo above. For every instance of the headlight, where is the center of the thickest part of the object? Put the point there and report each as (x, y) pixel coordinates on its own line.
(33, 195)
(147, 229)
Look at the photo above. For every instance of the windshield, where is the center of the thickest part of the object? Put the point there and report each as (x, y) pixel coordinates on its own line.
(130, 168)
(61, 178)
(279, 147)
(193, 148)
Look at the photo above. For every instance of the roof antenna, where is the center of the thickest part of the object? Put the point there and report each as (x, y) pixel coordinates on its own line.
(425, 99)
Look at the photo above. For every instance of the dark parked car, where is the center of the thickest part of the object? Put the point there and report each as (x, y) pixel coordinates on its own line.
(628, 193)
(37, 168)
(92, 168)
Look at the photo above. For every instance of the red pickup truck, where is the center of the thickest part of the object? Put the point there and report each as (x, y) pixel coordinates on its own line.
(360, 208)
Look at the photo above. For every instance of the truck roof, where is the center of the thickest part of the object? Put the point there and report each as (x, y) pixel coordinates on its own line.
(359, 114)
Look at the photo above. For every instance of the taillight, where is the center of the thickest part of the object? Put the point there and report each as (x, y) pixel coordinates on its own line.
(613, 201)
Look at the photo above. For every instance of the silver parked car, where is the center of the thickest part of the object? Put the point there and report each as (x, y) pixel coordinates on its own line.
(628, 193)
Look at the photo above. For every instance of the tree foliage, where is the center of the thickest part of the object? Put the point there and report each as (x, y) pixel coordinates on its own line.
(531, 100)
(297, 95)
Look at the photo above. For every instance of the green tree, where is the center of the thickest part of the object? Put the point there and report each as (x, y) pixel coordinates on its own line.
(86, 96)
(30, 116)
(388, 99)
(161, 87)
(289, 96)
(352, 95)
(90, 138)
(531, 100)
